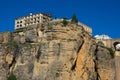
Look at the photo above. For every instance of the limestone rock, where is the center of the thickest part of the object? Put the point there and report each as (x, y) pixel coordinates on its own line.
(105, 66)
(5, 37)
(9, 58)
(54, 52)
(1, 38)
(85, 66)
(30, 36)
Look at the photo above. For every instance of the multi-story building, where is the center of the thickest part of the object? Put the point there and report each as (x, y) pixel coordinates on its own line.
(31, 19)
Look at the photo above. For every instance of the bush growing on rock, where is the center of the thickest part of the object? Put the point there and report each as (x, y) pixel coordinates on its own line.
(12, 44)
(65, 22)
(100, 43)
(112, 53)
(12, 77)
(50, 27)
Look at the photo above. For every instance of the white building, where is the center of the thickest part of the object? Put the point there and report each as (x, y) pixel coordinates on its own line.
(31, 19)
(102, 37)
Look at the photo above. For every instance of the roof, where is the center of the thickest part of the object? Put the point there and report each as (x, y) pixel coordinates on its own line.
(103, 37)
(46, 14)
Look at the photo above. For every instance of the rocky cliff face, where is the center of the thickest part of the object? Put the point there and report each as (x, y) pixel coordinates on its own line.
(55, 52)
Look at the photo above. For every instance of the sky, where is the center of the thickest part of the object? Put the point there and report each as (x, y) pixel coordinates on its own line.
(103, 16)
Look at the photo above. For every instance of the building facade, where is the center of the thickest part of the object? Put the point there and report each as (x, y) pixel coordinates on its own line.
(86, 28)
(108, 41)
(31, 19)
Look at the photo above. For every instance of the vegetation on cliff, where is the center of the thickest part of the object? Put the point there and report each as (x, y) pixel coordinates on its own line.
(12, 77)
(112, 53)
(65, 22)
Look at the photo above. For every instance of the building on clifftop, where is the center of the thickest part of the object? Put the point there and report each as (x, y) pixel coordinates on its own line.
(34, 19)
(31, 19)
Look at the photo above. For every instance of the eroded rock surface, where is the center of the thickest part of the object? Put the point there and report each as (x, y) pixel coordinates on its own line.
(55, 52)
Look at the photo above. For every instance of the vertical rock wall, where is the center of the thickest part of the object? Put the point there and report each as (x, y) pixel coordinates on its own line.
(117, 65)
(64, 53)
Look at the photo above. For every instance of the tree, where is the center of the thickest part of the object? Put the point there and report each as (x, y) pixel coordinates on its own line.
(74, 19)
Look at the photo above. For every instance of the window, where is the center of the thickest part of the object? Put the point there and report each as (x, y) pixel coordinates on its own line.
(17, 25)
(20, 21)
(20, 25)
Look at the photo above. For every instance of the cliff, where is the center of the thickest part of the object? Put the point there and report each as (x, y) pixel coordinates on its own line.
(52, 51)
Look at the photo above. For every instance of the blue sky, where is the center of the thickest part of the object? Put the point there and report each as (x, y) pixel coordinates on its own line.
(103, 16)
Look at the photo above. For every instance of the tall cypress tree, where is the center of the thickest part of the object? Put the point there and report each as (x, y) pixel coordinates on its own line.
(74, 19)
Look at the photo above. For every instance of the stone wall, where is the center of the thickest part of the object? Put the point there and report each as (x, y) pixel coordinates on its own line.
(109, 42)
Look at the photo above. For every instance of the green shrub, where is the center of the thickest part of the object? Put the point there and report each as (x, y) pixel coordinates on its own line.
(50, 28)
(100, 43)
(65, 22)
(112, 53)
(12, 77)
(12, 44)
